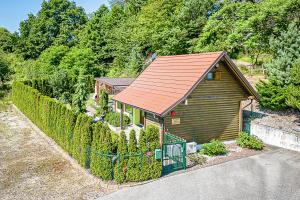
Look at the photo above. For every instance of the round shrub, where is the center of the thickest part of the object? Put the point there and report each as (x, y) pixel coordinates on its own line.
(246, 140)
(214, 148)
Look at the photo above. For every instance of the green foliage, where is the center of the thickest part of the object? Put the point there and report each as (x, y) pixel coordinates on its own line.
(91, 145)
(121, 164)
(114, 119)
(148, 142)
(246, 140)
(293, 90)
(271, 96)
(214, 148)
(54, 118)
(282, 90)
(134, 164)
(57, 23)
(79, 60)
(285, 50)
(103, 102)
(49, 60)
(5, 71)
(80, 96)
(7, 40)
(96, 148)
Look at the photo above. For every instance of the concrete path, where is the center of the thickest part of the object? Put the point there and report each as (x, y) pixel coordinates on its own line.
(32, 166)
(273, 175)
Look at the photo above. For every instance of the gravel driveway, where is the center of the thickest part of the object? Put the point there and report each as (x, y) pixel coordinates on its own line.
(32, 167)
(269, 176)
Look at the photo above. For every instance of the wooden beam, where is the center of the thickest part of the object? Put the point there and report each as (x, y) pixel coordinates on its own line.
(121, 117)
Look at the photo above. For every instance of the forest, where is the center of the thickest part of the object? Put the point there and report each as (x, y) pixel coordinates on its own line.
(63, 41)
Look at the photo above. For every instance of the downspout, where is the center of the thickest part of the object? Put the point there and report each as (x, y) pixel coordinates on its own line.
(251, 108)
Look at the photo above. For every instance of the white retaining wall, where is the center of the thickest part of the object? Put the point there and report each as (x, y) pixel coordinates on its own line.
(276, 137)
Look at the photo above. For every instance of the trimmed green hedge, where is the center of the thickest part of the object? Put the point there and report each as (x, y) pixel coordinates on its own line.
(92, 145)
(72, 133)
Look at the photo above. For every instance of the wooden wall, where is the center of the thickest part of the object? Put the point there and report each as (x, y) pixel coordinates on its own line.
(213, 110)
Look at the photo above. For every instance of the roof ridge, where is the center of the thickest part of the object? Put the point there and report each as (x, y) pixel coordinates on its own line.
(194, 54)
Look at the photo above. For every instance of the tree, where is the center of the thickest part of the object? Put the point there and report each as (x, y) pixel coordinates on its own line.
(293, 90)
(5, 71)
(121, 164)
(103, 101)
(62, 86)
(80, 95)
(79, 60)
(134, 161)
(49, 60)
(7, 40)
(285, 51)
(57, 22)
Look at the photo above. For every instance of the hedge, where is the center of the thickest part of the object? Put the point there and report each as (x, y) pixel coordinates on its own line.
(56, 120)
(92, 145)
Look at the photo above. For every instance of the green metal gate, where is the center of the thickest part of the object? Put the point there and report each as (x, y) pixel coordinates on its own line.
(174, 153)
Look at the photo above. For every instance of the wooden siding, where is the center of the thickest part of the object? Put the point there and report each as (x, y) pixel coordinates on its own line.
(213, 110)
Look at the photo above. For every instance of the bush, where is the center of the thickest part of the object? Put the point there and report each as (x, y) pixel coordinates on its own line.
(214, 148)
(113, 118)
(148, 142)
(121, 164)
(197, 159)
(271, 96)
(106, 166)
(246, 140)
(96, 148)
(114, 142)
(133, 172)
(82, 140)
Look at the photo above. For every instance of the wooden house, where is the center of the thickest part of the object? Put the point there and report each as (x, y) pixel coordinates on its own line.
(196, 97)
(112, 85)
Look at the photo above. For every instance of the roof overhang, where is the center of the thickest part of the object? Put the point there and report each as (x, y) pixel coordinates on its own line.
(235, 70)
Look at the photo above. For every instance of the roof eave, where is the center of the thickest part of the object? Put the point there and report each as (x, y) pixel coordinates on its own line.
(233, 66)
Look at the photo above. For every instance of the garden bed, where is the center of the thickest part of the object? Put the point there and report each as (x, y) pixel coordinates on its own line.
(234, 152)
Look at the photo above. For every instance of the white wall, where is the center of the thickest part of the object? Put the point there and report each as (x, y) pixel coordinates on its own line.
(276, 137)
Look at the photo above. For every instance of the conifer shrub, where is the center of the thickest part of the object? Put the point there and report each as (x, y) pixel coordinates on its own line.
(96, 149)
(106, 158)
(134, 162)
(148, 142)
(114, 142)
(86, 140)
(121, 164)
(246, 140)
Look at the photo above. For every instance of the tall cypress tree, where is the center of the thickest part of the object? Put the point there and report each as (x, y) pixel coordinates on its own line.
(120, 167)
(133, 172)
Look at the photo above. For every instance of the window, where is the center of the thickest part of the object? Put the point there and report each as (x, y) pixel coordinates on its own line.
(119, 105)
(128, 108)
(210, 76)
(214, 76)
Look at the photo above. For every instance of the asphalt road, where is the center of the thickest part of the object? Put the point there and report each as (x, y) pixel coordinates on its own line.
(272, 175)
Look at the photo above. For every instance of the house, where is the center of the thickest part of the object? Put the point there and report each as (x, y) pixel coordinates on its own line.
(196, 97)
(112, 85)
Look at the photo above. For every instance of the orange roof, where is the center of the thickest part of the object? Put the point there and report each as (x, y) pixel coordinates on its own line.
(167, 81)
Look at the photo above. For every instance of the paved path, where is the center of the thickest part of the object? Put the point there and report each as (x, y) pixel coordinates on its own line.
(273, 175)
(33, 167)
